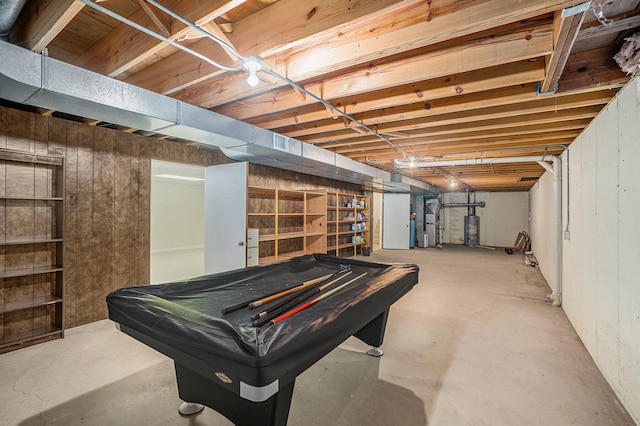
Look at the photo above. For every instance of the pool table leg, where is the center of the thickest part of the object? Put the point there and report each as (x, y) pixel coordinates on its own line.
(375, 351)
(373, 333)
(196, 388)
(190, 408)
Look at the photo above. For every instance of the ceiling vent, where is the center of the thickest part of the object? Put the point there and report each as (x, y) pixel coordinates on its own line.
(528, 179)
(280, 142)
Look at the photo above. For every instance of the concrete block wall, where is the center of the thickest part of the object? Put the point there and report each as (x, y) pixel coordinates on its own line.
(601, 271)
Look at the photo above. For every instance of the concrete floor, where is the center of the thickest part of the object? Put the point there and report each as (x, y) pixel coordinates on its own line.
(474, 343)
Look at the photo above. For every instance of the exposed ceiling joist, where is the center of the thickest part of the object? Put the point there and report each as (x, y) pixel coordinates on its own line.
(375, 81)
(566, 24)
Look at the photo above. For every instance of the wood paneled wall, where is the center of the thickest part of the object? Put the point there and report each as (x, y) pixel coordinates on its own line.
(107, 200)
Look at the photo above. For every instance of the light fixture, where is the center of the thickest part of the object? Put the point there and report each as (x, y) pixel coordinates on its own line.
(412, 161)
(178, 177)
(252, 65)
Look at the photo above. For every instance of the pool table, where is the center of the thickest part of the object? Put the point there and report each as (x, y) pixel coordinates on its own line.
(246, 372)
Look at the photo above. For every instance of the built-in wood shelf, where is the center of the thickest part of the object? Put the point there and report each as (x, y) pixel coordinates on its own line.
(36, 232)
(23, 241)
(12, 273)
(29, 303)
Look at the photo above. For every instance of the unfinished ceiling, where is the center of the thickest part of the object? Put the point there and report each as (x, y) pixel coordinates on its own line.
(430, 80)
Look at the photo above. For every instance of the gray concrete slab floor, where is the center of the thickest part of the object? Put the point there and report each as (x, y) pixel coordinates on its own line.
(474, 343)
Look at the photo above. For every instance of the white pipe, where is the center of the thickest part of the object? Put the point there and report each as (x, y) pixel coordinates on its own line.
(403, 164)
(556, 296)
(555, 169)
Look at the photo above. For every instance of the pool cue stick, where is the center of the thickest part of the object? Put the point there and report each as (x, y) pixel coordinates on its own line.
(296, 293)
(314, 301)
(293, 301)
(246, 303)
(283, 293)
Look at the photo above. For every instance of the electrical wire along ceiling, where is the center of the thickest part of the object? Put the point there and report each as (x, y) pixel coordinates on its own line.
(392, 84)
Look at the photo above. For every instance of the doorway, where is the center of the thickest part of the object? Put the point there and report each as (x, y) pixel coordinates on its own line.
(177, 221)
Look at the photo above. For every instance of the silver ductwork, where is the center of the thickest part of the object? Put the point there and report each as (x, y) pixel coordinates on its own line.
(9, 11)
(37, 80)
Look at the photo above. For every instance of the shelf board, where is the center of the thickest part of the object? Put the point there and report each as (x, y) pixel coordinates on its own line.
(290, 193)
(20, 241)
(267, 259)
(267, 237)
(316, 214)
(30, 271)
(261, 190)
(291, 214)
(290, 255)
(34, 334)
(346, 245)
(290, 235)
(330, 248)
(29, 157)
(261, 214)
(316, 193)
(31, 303)
(316, 234)
(346, 232)
(32, 198)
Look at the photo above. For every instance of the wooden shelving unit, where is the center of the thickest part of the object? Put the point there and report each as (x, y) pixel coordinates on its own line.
(348, 224)
(31, 249)
(291, 223)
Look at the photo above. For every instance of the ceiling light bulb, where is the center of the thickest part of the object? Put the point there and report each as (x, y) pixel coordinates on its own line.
(252, 65)
(253, 79)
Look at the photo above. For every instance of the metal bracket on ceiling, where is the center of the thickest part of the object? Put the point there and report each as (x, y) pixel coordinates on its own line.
(542, 94)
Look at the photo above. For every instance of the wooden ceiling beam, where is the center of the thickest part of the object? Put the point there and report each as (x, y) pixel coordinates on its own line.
(440, 149)
(481, 125)
(40, 22)
(430, 93)
(425, 137)
(618, 23)
(161, 22)
(289, 24)
(436, 143)
(477, 17)
(592, 68)
(215, 30)
(126, 47)
(566, 24)
(563, 130)
(480, 108)
(472, 55)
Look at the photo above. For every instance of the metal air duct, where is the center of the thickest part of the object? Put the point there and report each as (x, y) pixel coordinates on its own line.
(33, 79)
(9, 11)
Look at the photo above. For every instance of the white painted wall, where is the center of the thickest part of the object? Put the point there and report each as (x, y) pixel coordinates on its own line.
(177, 222)
(505, 215)
(541, 225)
(601, 271)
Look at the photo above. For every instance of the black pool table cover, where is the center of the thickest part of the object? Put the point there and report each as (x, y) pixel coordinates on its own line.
(184, 319)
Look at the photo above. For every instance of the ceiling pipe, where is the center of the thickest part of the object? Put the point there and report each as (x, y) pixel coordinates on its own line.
(477, 204)
(9, 12)
(403, 164)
